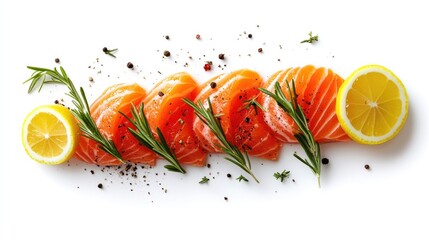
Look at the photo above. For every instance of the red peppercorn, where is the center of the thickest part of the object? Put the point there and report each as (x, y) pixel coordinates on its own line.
(207, 67)
(198, 36)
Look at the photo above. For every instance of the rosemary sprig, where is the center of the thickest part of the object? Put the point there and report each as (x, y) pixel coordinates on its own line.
(81, 111)
(204, 180)
(234, 155)
(311, 38)
(304, 136)
(253, 103)
(110, 51)
(241, 177)
(145, 136)
(281, 175)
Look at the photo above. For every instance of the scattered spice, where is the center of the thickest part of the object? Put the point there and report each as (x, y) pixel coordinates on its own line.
(247, 120)
(198, 36)
(221, 56)
(259, 50)
(213, 85)
(208, 66)
(91, 79)
(160, 94)
(208, 165)
(57, 60)
(225, 198)
(228, 175)
(250, 35)
(167, 37)
(130, 65)
(167, 53)
(100, 186)
(325, 161)
(367, 167)
(92, 171)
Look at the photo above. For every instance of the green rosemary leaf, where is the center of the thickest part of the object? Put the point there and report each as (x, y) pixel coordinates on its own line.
(235, 156)
(281, 176)
(241, 177)
(204, 180)
(81, 111)
(311, 38)
(305, 137)
(253, 103)
(144, 135)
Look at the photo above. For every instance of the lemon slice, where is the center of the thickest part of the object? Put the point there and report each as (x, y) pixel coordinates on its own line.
(49, 134)
(372, 105)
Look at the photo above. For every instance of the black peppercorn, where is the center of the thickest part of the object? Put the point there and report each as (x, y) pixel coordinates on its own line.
(213, 85)
(167, 37)
(130, 65)
(160, 94)
(250, 35)
(221, 56)
(167, 53)
(228, 175)
(57, 60)
(100, 186)
(325, 161)
(367, 167)
(260, 50)
(105, 50)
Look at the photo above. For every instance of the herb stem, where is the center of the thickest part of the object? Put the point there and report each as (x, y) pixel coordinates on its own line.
(81, 111)
(304, 136)
(145, 136)
(241, 159)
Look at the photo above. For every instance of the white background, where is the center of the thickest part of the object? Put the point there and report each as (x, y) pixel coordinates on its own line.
(63, 202)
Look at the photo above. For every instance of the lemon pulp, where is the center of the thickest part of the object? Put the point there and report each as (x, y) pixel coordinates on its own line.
(50, 134)
(372, 105)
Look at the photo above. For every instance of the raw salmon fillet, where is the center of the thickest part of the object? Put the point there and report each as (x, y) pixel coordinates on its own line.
(242, 126)
(165, 108)
(105, 112)
(317, 90)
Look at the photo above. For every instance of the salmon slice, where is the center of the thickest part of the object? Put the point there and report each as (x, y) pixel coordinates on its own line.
(242, 126)
(105, 112)
(317, 90)
(165, 108)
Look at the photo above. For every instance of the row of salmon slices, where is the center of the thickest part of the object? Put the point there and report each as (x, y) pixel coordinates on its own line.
(259, 132)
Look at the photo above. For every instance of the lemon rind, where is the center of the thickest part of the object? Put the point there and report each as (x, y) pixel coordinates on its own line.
(70, 127)
(354, 133)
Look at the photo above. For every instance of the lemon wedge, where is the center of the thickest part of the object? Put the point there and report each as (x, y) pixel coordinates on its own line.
(49, 134)
(372, 105)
